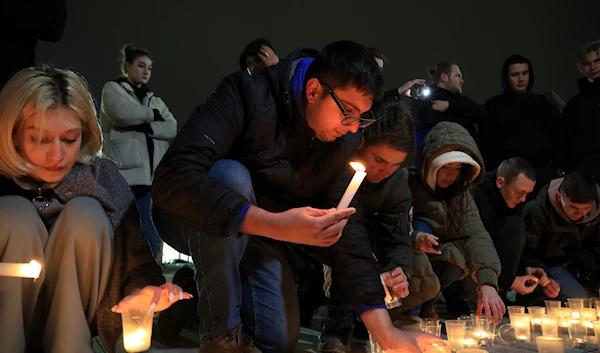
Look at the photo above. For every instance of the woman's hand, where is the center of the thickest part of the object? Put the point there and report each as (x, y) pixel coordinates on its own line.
(426, 242)
(157, 298)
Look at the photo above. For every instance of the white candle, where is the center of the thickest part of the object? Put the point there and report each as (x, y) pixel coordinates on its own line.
(137, 341)
(30, 270)
(550, 344)
(357, 179)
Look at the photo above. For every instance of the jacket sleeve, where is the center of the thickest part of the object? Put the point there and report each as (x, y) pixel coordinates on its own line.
(482, 259)
(122, 111)
(164, 130)
(393, 233)
(45, 19)
(182, 186)
(467, 108)
(535, 228)
(351, 257)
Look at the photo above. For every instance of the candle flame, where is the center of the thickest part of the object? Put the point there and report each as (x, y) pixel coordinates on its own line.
(357, 166)
(35, 268)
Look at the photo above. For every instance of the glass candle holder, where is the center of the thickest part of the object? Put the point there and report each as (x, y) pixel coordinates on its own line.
(522, 327)
(575, 303)
(455, 330)
(486, 331)
(137, 328)
(536, 313)
(514, 309)
(565, 314)
(550, 344)
(471, 339)
(438, 346)
(596, 325)
(431, 326)
(373, 345)
(550, 325)
(577, 333)
(551, 305)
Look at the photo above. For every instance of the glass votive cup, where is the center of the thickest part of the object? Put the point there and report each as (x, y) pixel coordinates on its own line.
(455, 330)
(470, 321)
(577, 333)
(522, 327)
(373, 345)
(550, 325)
(575, 303)
(486, 331)
(514, 309)
(547, 344)
(431, 326)
(471, 339)
(551, 305)
(137, 328)
(565, 314)
(536, 313)
(437, 346)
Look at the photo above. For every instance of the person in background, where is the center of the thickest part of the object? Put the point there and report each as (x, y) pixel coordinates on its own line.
(71, 211)
(257, 55)
(138, 128)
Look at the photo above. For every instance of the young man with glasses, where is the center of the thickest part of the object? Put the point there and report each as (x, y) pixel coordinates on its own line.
(255, 158)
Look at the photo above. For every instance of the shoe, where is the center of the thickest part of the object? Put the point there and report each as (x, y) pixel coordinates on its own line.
(235, 341)
(337, 332)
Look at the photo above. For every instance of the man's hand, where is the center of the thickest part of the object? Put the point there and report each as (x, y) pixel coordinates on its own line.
(426, 242)
(490, 302)
(541, 275)
(397, 281)
(404, 90)
(268, 56)
(307, 225)
(552, 289)
(440, 106)
(521, 286)
(380, 326)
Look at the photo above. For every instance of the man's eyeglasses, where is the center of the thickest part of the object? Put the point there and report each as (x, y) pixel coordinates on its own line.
(364, 120)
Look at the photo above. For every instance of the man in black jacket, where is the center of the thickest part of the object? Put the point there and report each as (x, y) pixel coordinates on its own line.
(446, 102)
(249, 160)
(499, 197)
(582, 113)
(521, 123)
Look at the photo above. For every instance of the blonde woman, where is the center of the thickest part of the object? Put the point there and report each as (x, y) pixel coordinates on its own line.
(137, 127)
(71, 211)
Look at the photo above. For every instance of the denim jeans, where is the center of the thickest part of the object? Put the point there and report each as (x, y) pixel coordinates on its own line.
(143, 200)
(569, 285)
(244, 279)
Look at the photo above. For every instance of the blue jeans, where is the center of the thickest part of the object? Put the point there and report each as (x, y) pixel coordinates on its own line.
(569, 286)
(245, 279)
(143, 200)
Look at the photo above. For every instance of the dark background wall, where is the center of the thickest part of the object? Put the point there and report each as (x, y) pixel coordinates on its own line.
(196, 43)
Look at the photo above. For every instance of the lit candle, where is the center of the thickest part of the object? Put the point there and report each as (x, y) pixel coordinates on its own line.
(536, 312)
(440, 346)
(455, 330)
(357, 179)
(550, 325)
(391, 301)
(30, 270)
(550, 344)
(137, 341)
(522, 327)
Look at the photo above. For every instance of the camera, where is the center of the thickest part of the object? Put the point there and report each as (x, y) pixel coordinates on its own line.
(420, 91)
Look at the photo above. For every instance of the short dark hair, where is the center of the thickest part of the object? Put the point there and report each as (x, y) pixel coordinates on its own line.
(378, 54)
(394, 127)
(346, 63)
(510, 169)
(444, 67)
(586, 49)
(252, 49)
(128, 55)
(579, 188)
(516, 59)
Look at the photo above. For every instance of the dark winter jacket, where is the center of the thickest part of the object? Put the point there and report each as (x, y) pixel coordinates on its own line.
(254, 120)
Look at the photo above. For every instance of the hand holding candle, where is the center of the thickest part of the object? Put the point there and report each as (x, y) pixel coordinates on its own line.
(30, 270)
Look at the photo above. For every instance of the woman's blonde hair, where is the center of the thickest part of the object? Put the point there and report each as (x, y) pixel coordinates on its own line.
(33, 91)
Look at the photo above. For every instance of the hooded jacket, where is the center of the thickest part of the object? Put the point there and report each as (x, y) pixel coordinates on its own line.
(255, 121)
(477, 255)
(581, 118)
(520, 125)
(554, 239)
